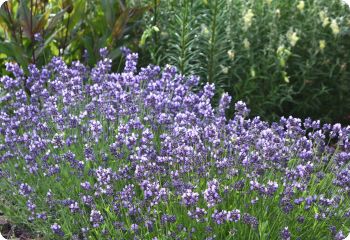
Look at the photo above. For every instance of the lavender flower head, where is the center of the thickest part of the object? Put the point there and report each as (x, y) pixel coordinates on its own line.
(211, 194)
(285, 234)
(96, 218)
(56, 229)
(190, 198)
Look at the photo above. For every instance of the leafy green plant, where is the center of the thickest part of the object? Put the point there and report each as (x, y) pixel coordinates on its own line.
(282, 57)
(34, 31)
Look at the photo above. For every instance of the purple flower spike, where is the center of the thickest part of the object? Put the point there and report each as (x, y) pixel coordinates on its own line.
(211, 194)
(25, 189)
(56, 229)
(190, 198)
(96, 218)
(285, 234)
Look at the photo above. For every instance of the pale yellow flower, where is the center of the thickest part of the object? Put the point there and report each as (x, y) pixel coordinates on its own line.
(322, 44)
(248, 18)
(231, 54)
(252, 72)
(233, 139)
(322, 15)
(282, 55)
(301, 6)
(285, 77)
(268, 2)
(246, 43)
(335, 28)
(155, 28)
(324, 19)
(342, 69)
(325, 22)
(224, 69)
(278, 12)
(205, 30)
(280, 49)
(292, 37)
(283, 51)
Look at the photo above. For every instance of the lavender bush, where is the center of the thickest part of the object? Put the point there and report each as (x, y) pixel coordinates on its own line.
(89, 154)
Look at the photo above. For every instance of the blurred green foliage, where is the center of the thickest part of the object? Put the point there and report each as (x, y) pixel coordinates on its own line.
(281, 57)
(32, 31)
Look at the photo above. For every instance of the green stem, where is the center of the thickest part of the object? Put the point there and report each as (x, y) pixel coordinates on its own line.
(31, 30)
(65, 37)
(183, 39)
(212, 45)
(155, 22)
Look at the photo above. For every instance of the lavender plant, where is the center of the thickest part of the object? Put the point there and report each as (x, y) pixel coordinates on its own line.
(91, 154)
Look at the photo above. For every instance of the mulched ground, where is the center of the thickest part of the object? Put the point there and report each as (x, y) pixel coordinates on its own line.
(13, 232)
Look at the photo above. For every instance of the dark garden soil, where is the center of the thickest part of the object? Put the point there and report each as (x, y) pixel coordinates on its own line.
(13, 232)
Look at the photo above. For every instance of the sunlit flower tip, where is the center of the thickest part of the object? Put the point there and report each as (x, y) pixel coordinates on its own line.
(231, 54)
(155, 28)
(205, 30)
(322, 44)
(248, 18)
(246, 43)
(292, 37)
(268, 2)
(301, 6)
(278, 12)
(335, 28)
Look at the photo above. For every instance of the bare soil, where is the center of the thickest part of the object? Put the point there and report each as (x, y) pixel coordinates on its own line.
(12, 232)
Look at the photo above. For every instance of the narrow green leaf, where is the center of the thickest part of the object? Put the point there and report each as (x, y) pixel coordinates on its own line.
(55, 20)
(16, 52)
(24, 17)
(47, 42)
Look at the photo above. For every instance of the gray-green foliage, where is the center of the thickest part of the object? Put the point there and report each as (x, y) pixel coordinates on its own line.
(282, 57)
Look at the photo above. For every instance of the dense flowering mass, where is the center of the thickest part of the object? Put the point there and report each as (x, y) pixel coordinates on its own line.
(90, 154)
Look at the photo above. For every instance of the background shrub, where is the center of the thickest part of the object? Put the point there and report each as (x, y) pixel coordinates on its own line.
(35, 31)
(281, 57)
